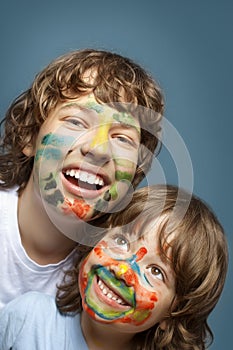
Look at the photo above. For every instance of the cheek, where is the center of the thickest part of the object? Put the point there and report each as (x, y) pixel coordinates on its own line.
(54, 146)
(83, 275)
(125, 169)
(145, 304)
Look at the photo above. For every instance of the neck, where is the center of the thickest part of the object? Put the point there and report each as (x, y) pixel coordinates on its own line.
(41, 239)
(104, 336)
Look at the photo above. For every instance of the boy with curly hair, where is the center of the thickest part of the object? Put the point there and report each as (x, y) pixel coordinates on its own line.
(149, 284)
(74, 144)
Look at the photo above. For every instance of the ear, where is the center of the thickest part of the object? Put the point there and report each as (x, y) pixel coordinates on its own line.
(28, 150)
(163, 325)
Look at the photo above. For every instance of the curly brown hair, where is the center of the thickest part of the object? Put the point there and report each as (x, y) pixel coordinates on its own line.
(63, 79)
(199, 261)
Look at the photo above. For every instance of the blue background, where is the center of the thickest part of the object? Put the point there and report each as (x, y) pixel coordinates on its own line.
(187, 45)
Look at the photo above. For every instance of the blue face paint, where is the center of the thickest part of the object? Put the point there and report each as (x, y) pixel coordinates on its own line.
(57, 140)
(118, 285)
(48, 153)
(133, 264)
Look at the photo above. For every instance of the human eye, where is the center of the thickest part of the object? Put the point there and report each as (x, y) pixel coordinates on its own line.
(76, 122)
(121, 242)
(124, 140)
(154, 272)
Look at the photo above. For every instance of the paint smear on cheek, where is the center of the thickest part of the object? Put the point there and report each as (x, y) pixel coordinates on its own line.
(123, 175)
(48, 154)
(113, 191)
(57, 140)
(141, 253)
(99, 249)
(145, 300)
(52, 146)
(125, 169)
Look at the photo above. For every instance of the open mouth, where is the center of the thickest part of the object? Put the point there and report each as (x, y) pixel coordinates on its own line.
(110, 294)
(84, 180)
(113, 289)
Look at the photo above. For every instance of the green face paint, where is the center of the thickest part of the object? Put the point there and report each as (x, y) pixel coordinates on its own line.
(47, 157)
(113, 192)
(107, 135)
(126, 119)
(94, 106)
(123, 175)
(115, 296)
(111, 314)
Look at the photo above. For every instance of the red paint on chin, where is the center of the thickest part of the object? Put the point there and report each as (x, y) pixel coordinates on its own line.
(79, 207)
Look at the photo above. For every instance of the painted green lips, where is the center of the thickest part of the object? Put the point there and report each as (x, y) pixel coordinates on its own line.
(118, 286)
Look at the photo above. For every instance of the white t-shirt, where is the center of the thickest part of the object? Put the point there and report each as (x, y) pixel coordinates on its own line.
(18, 273)
(32, 321)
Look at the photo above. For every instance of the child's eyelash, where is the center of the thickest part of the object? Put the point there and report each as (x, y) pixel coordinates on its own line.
(156, 271)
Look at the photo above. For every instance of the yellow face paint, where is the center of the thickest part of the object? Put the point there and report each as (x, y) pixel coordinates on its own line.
(101, 135)
(123, 268)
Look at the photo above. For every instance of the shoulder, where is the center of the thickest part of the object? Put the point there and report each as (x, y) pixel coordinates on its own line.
(27, 311)
(31, 320)
(5, 192)
(29, 301)
(38, 300)
(18, 316)
(8, 196)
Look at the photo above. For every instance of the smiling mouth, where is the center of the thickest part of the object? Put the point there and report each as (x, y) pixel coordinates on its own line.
(114, 289)
(84, 179)
(110, 294)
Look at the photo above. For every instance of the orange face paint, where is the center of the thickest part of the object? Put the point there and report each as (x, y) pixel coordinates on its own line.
(140, 253)
(126, 270)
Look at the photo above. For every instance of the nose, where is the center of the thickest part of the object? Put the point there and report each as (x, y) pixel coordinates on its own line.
(124, 272)
(99, 154)
(97, 147)
(120, 269)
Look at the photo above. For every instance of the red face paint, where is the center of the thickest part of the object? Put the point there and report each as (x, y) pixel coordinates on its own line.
(144, 299)
(79, 207)
(141, 253)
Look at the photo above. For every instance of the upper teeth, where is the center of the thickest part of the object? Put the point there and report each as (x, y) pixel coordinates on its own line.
(85, 176)
(110, 294)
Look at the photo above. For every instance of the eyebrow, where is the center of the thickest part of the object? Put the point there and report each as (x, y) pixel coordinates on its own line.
(96, 107)
(72, 104)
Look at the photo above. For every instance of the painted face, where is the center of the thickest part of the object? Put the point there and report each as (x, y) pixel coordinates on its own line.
(86, 157)
(126, 282)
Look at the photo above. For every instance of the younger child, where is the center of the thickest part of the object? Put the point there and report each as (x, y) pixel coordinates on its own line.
(150, 283)
(74, 142)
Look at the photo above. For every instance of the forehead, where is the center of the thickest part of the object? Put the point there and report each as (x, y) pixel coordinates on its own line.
(138, 230)
(150, 230)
